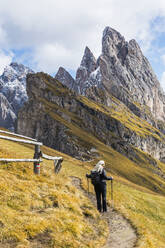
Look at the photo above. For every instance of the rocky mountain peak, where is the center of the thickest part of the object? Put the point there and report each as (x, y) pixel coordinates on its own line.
(113, 34)
(13, 88)
(112, 42)
(19, 68)
(15, 71)
(65, 78)
(87, 66)
(88, 61)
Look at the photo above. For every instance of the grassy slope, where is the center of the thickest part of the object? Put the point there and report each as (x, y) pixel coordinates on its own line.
(45, 207)
(48, 211)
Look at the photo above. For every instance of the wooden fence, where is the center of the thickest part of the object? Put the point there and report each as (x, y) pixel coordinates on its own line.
(37, 152)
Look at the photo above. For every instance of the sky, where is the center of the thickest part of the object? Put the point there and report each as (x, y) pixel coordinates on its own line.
(47, 34)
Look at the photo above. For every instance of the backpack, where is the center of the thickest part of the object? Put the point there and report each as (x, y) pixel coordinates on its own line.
(95, 177)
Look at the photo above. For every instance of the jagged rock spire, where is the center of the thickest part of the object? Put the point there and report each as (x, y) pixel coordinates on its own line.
(111, 41)
(87, 66)
(88, 61)
(65, 78)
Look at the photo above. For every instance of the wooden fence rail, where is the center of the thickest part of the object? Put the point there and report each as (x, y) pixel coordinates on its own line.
(17, 135)
(19, 160)
(50, 157)
(57, 162)
(21, 140)
(37, 154)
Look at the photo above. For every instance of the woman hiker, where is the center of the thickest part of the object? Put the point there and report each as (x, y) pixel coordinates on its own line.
(98, 179)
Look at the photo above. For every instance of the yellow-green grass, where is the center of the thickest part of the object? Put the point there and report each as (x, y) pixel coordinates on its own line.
(48, 207)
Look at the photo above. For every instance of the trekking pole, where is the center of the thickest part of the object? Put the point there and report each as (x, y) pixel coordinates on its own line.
(112, 202)
(88, 184)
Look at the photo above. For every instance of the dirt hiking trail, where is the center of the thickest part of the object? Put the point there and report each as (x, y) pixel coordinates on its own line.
(121, 233)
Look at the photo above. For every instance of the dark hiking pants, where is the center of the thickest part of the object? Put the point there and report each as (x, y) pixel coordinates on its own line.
(100, 190)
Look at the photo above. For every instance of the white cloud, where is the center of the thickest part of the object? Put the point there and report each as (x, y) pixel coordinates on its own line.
(58, 31)
(49, 55)
(5, 59)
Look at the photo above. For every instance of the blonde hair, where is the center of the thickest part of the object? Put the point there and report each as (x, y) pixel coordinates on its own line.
(99, 166)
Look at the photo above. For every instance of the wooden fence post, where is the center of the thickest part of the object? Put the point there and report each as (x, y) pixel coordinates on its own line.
(57, 165)
(37, 155)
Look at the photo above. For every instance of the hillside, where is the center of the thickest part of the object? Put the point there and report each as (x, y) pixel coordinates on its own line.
(48, 211)
(45, 210)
